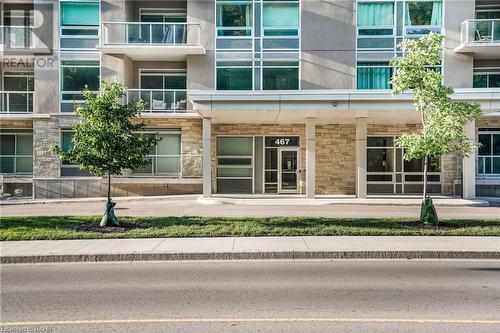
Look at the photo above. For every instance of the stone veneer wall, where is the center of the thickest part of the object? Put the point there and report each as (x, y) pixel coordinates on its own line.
(336, 159)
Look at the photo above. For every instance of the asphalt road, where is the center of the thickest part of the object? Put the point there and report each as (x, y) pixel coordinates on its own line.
(190, 207)
(253, 296)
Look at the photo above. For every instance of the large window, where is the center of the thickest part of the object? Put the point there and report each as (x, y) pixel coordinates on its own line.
(234, 75)
(280, 75)
(16, 152)
(488, 163)
(374, 75)
(17, 94)
(486, 77)
(234, 19)
(280, 19)
(165, 157)
(388, 172)
(80, 13)
(75, 76)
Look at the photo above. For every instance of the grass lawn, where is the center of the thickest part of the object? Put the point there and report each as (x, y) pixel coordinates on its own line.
(63, 227)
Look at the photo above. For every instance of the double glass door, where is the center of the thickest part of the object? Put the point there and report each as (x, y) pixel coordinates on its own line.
(288, 170)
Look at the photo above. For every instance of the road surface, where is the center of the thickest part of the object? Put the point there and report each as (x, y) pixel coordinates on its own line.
(253, 296)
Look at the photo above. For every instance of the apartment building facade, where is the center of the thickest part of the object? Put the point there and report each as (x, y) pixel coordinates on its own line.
(248, 96)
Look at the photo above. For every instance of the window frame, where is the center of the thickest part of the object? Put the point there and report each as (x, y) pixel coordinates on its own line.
(74, 92)
(483, 175)
(18, 132)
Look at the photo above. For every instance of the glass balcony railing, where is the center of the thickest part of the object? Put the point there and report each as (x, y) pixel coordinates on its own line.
(16, 37)
(160, 100)
(157, 34)
(480, 32)
(16, 102)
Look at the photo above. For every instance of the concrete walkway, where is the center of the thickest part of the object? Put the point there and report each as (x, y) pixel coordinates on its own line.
(307, 247)
(235, 206)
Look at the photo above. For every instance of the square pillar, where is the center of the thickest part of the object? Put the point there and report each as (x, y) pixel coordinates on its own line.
(207, 157)
(469, 165)
(310, 157)
(361, 134)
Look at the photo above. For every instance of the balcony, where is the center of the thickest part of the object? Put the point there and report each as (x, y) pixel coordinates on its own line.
(160, 100)
(16, 102)
(152, 41)
(481, 38)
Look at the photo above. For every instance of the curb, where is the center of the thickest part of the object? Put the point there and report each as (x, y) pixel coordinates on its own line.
(252, 256)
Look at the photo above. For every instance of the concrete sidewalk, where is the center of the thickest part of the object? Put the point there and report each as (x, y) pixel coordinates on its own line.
(307, 247)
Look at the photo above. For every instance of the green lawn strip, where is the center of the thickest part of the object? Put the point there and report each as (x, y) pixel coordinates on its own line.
(62, 227)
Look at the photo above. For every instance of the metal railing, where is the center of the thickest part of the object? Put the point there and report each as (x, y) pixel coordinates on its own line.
(157, 34)
(16, 37)
(480, 31)
(176, 166)
(16, 102)
(160, 100)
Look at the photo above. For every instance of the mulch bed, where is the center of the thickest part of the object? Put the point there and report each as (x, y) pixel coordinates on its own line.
(94, 227)
(443, 226)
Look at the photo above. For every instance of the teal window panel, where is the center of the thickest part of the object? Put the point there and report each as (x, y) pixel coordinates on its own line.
(80, 13)
(280, 15)
(234, 78)
(374, 77)
(280, 78)
(373, 14)
(480, 81)
(234, 146)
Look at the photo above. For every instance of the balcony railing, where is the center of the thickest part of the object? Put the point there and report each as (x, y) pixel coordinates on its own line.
(157, 34)
(480, 32)
(176, 166)
(160, 100)
(16, 37)
(16, 102)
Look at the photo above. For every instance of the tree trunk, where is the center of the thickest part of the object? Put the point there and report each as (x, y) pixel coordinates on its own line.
(109, 216)
(428, 212)
(426, 167)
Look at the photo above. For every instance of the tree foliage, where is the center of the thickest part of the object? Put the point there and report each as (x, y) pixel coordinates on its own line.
(107, 141)
(443, 119)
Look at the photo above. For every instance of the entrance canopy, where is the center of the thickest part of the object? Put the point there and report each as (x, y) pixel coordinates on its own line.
(327, 106)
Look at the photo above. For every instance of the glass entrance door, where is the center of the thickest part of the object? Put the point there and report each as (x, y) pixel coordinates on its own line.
(288, 170)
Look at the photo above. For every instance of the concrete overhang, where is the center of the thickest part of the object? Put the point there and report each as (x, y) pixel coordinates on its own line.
(154, 52)
(480, 50)
(327, 106)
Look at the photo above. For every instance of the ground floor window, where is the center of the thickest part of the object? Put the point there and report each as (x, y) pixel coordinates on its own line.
(488, 159)
(16, 152)
(166, 159)
(486, 77)
(388, 172)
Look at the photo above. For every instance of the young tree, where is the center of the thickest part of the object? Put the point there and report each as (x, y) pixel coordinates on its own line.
(443, 119)
(106, 141)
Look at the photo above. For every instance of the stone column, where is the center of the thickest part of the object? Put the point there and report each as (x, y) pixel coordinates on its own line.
(361, 133)
(310, 157)
(207, 158)
(469, 165)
